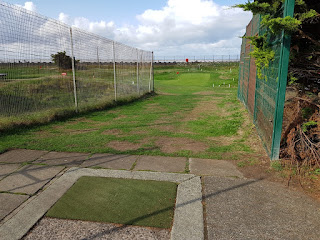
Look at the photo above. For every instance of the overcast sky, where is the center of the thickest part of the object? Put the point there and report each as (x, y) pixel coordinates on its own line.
(167, 27)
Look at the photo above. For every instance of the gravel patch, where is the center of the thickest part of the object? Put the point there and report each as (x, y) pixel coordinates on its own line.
(54, 229)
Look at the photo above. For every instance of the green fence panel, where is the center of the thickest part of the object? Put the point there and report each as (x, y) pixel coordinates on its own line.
(265, 97)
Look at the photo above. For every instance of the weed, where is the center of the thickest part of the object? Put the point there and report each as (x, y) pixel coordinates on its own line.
(246, 163)
(277, 166)
(306, 126)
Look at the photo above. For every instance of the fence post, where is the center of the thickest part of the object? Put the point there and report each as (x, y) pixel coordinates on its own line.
(151, 72)
(114, 71)
(98, 57)
(282, 84)
(138, 87)
(73, 73)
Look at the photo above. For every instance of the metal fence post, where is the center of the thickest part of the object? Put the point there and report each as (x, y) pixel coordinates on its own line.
(151, 66)
(282, 84)
(114, 72)
(98, 57)
(73, 73)
(138, 88)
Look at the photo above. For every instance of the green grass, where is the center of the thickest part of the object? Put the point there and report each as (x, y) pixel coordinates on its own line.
(187, 108)
(123, 201)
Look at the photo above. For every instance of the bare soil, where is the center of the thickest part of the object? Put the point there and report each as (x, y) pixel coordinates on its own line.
(124, 145)
(171, 145)
(204, 93)
(115, 132)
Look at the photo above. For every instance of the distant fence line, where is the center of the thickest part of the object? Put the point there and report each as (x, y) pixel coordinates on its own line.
(47, 65)
(192, 59)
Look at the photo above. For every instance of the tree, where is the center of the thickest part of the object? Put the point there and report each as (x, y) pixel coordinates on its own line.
(62, 60)
(304, 28)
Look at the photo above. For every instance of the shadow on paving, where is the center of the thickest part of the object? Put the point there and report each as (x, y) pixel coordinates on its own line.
(131, 222)
(256, 209)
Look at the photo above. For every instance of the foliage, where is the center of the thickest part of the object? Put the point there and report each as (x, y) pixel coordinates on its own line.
(262, 53)
(275, 24)
(260, 7)
(62, 60)
(306, 126)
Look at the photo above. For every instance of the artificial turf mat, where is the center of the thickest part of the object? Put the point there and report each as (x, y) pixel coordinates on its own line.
(123, 201)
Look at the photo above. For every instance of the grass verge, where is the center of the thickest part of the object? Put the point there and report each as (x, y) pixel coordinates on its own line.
(122, 201)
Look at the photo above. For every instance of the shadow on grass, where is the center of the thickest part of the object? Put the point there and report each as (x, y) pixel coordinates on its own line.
(21, 127)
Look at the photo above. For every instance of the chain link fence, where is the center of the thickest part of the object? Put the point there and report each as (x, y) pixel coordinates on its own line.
(47, 66)
(265, 97)
(197, 59)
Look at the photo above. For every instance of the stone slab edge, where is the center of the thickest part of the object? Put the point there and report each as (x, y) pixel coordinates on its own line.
(188, 215)
(188, 199)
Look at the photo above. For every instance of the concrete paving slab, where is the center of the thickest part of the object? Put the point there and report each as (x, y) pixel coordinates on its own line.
(161, 164)
(219, 168)
(21, 155)
(19, 224)
(29, 179)
(53, 228)
(6, 169)
(9, 202)
(257, 209)
(63, 158)
(188, 213)
(112, 161)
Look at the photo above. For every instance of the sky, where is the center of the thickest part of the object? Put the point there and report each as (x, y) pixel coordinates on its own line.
(167, 27)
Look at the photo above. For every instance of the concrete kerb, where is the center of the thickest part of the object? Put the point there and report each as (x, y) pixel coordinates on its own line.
(188, 215)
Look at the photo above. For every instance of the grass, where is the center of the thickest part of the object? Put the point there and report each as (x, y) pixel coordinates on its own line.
(129, 202)
(186, 111)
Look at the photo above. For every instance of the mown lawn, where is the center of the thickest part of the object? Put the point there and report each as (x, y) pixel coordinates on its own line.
(187, 117)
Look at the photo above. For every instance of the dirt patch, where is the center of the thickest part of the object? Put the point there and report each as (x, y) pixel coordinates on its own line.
(167, 128)
(115, 132)
(204, 93)
(171, 145)
(101, 124)
(224, 140)
(120, 117)
(74, 131)
(124, 145)
(224, 77)
(79, 131)
(155, 107)
(161, 120)
(208, 106)
(139, 132)
(166, 94)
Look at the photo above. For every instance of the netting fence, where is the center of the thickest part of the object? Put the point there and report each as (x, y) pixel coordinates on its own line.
(48, 66)
(197, 59)
(265, 97)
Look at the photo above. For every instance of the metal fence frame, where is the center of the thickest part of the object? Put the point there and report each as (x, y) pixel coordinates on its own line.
(264, 98)
(28, 39)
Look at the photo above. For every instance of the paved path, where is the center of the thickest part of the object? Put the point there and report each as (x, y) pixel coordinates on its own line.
(234, 207)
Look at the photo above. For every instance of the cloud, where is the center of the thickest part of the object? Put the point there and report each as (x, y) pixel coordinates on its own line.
(180, 27)
(195, 27)
(29, 6)
(102, 28)
(191, 27)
